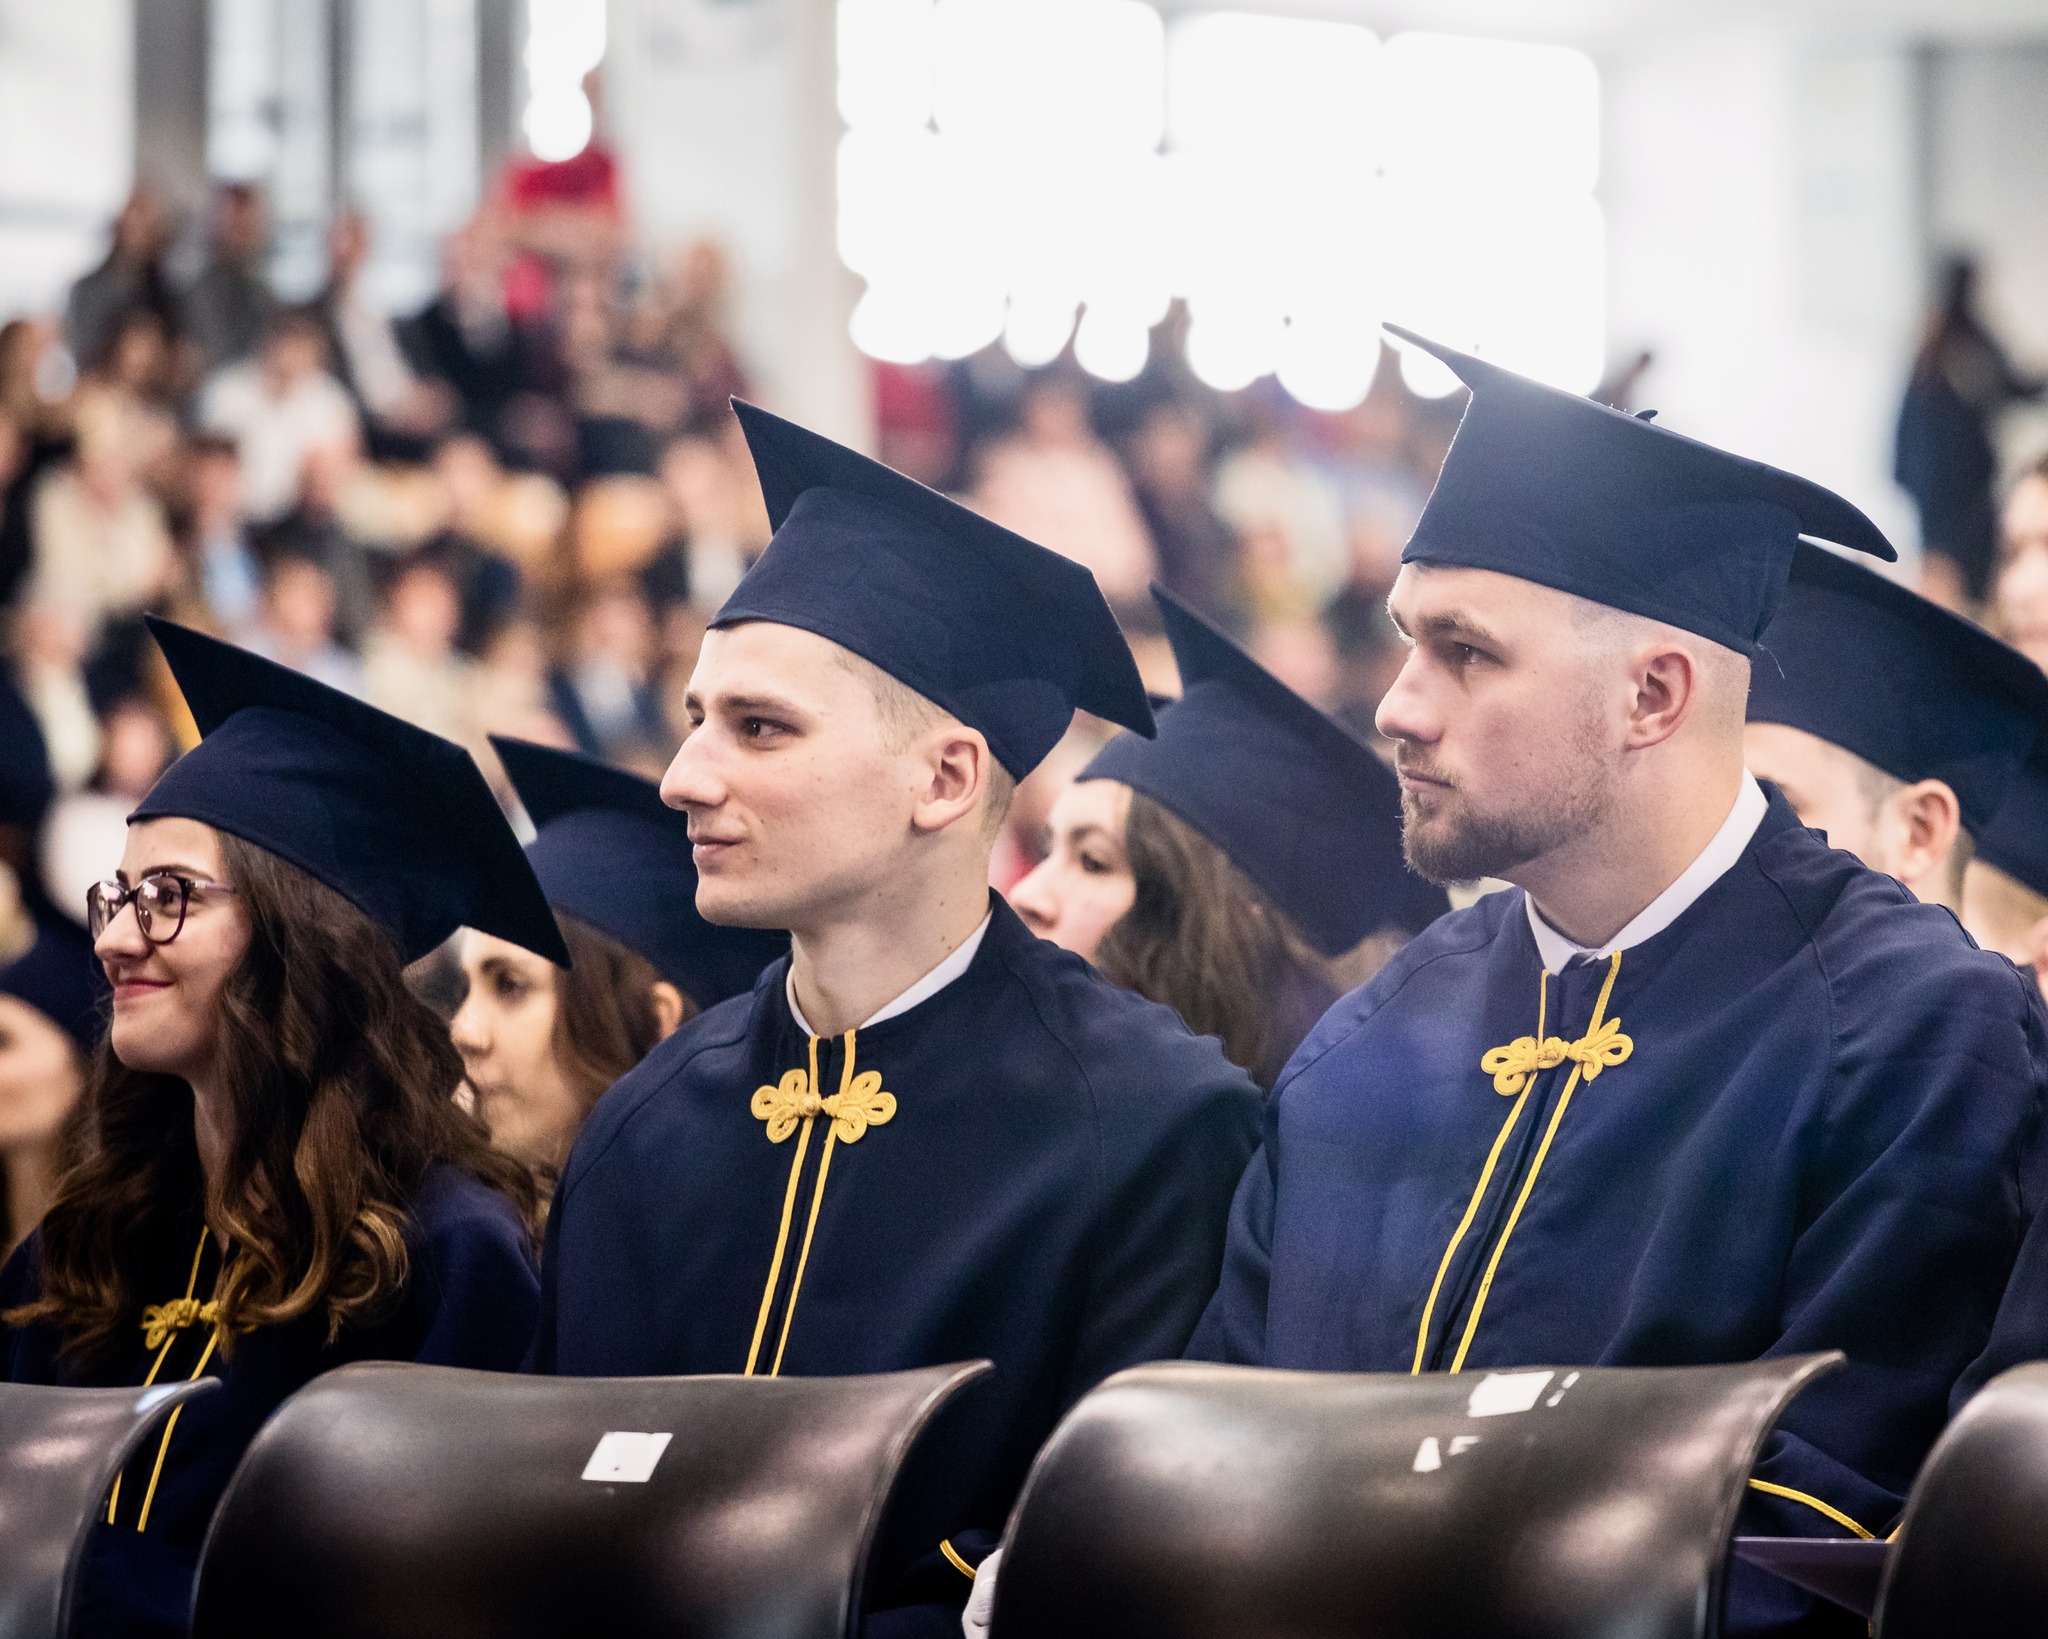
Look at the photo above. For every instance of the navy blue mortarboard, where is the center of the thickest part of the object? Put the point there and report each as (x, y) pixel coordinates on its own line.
(60, 978)
(1007, 636)
(2016, 840)
(397, 821)
(1550, 487)
(1297, 803)
(1905, 685)
(611, 853)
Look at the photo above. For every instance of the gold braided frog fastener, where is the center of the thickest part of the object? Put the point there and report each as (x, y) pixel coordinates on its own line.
(161, 1320)
(860, 1105)
(1601, 1048)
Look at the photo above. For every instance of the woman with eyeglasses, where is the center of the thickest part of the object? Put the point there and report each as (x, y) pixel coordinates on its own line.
(272, 1176)
(542, 1044)
(1244, 868)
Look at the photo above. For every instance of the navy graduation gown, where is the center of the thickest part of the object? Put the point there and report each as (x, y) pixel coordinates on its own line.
(1807, 1120)
(1031, 1166)
(470, 1302)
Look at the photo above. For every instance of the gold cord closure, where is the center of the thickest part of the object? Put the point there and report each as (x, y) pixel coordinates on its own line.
(1514, 1069)
(160, 1320)
(793, 1105)
(161, 1325)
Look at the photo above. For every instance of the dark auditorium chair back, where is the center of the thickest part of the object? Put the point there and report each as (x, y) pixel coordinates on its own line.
(59, 1452)
(1972, 1551)
(1214, 1502)
(423, 1502)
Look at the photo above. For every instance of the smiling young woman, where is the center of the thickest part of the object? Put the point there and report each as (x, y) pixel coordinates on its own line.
(271, 1177)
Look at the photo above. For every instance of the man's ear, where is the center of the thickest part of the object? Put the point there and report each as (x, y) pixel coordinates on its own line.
(954, 773)
(1930, 821)
(1667, 683)
(668, 1008)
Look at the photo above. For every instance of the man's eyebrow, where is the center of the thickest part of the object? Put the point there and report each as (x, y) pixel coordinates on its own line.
(758, 702)
(1456, 626)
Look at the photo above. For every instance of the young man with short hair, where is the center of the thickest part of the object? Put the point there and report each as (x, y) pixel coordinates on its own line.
(927, 1136)
(1891, 726)
(1700, 1089)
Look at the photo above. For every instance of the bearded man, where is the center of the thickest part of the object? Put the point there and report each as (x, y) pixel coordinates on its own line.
(1700, 1089)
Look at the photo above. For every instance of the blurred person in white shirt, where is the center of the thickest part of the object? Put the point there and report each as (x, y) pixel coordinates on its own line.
(279, 408)
(101, 550)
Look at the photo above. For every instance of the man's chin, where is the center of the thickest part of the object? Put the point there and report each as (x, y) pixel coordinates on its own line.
(731, 909)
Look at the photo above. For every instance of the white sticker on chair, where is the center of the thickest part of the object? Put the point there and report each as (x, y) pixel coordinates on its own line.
(1502, 1394)
(626, 1458)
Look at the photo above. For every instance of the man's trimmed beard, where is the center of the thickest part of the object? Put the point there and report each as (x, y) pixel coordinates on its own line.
(1457, 843)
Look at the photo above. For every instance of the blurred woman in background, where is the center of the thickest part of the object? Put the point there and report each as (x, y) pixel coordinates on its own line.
(1244, 868)
(271, 1175)
(542, 1044)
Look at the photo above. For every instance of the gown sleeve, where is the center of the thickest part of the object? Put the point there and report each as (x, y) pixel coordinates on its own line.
(482, 1292)
(1162, 1238)
(1233, 1327)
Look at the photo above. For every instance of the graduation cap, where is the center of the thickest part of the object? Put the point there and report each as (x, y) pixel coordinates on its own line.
(1298, 804)
(2016, 840)
(1910, 688)
(1553, 488)
(1007, 636)
(60, 978)
(397, 821)
(610, 852)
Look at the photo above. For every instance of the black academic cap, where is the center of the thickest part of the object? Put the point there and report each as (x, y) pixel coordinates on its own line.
(1007, 636)
(1910, 688)
(2016, 840)
(60, 978)
(1554, 488)
(611, 853)
(397, 821)
(1298, 804)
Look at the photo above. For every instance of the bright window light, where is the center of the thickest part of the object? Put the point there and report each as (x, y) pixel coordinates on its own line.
(1011, 164)
(565, 40)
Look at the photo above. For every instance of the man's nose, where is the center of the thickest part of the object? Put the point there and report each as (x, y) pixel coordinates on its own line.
(689, 781)
(1403, 712)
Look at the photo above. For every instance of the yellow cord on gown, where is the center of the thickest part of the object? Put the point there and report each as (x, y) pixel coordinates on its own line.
(1514, 1069)
(793, 1105)
(162, 1324)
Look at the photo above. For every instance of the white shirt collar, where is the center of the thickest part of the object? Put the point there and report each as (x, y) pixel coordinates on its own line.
(1713, 863)
(926, 988)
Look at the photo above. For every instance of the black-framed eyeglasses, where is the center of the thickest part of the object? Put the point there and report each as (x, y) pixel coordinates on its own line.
(160, 899)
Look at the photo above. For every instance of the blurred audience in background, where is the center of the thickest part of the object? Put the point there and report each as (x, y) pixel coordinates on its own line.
(514, 510)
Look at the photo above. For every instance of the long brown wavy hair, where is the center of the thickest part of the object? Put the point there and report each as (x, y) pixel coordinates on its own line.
(1200, 939)
(341, 1086)
(605, 1022)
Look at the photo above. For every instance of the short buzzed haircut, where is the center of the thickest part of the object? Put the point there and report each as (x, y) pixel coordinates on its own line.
(906, 714)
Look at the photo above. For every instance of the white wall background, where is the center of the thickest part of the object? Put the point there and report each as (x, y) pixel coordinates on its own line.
(67, 141)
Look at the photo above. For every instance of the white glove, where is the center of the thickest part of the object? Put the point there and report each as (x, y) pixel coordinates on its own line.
(981, 1603)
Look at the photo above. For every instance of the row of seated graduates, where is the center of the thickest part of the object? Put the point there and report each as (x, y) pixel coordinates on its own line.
(427, 894)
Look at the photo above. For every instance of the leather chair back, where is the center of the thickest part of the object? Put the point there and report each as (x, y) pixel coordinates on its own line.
(425, 1502)
(59, 1452)
(1214, 1502)
(1971, 1555)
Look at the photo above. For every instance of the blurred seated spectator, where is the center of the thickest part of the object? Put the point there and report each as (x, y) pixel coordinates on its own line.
(1169, 455)
(135, 748)
(618, 527)
(294, 622)
(623, 403)
(914, 431)
(487, 580)
(512, 693)
(695, 343)
(227, 310)
(401, 411)
(131, 277)
(411, 665)
(135, 364)
(216, 534)
(1299, 651)
(1053, 482)
(708, 547)
(1287, 516)
(50, 649)
(499, 366)
(602, 691)
(35, 383)
(101, 550)
(2020, 592)
(49, 1020)
(278, 408)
